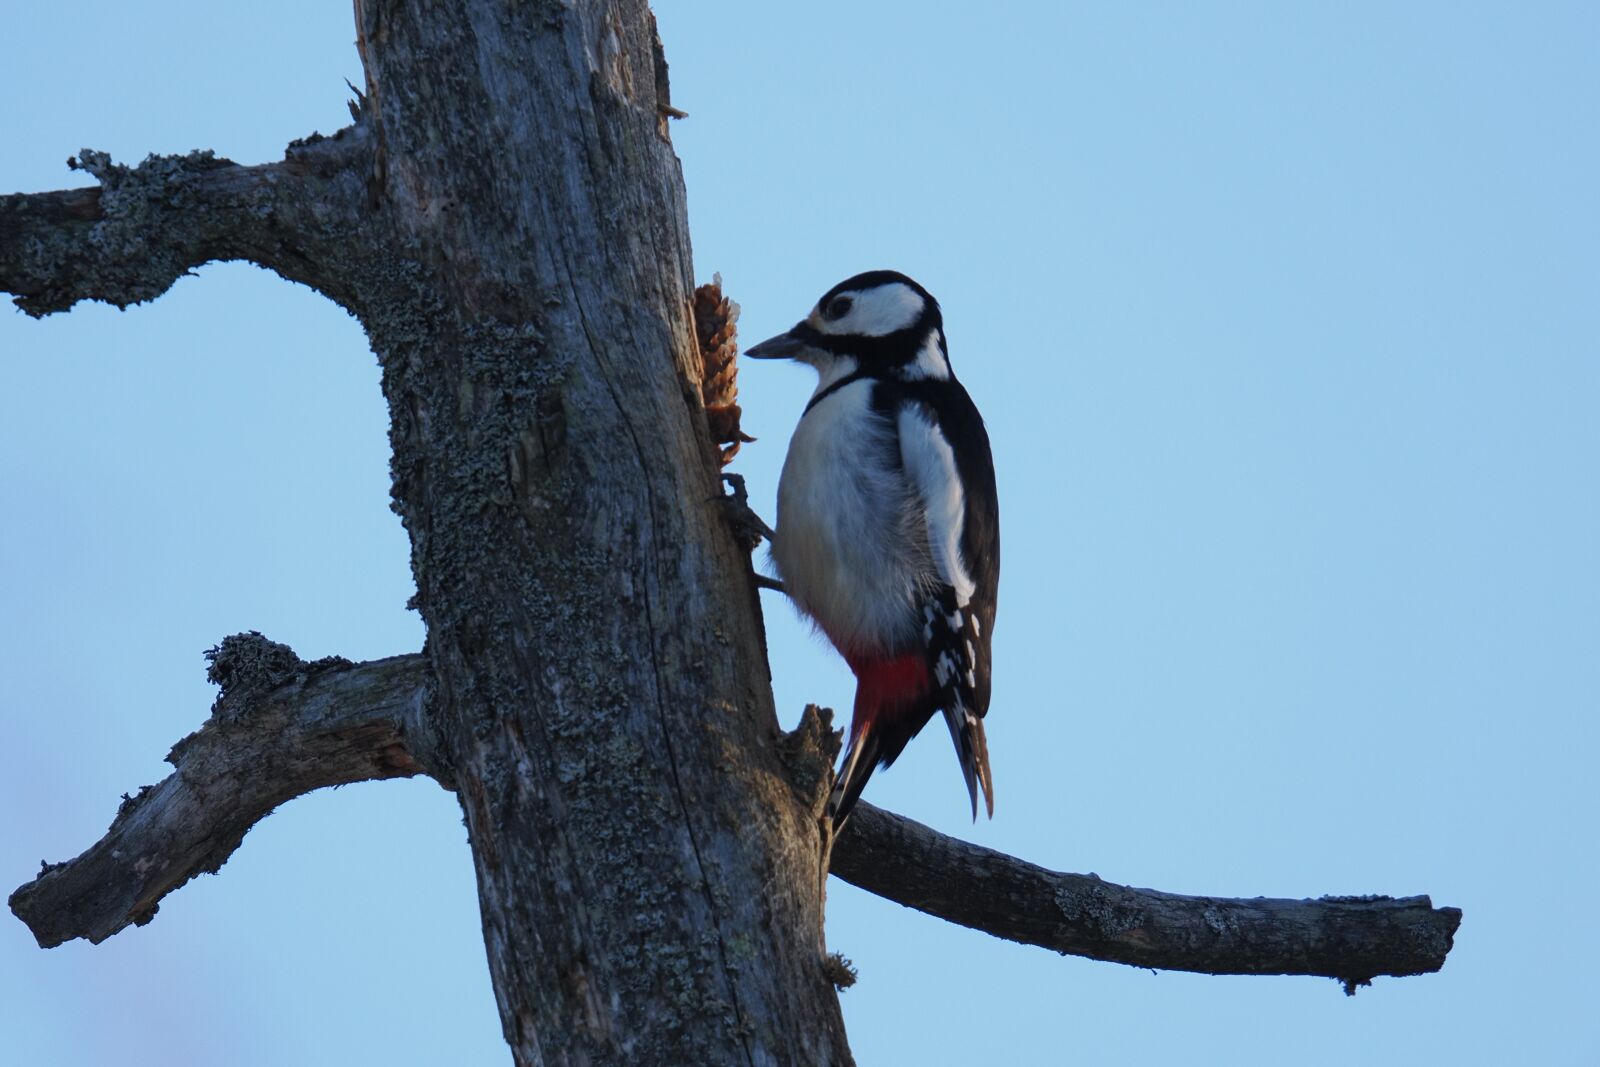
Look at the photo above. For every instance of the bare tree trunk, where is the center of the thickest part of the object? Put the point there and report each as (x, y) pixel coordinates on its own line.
(507, 220)
(592, 631)
(506, 217)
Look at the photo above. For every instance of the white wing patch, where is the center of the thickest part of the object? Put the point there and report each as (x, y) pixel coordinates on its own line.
(930, 464)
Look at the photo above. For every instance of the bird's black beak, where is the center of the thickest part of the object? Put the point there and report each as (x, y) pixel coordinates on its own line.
(791, 345)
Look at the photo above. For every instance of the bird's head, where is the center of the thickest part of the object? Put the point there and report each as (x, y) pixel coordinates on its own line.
(880, 321)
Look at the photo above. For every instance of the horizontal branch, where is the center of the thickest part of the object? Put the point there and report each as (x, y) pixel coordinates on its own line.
(1353, 939)
(280, 728)
(129, 238)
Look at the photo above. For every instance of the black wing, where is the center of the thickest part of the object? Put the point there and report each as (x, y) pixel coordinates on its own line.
(945, 449)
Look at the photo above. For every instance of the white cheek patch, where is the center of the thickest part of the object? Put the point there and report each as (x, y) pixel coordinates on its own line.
(881, 311)
(931, 465)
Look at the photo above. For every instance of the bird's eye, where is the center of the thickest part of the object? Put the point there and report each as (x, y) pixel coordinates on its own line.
(837, 308)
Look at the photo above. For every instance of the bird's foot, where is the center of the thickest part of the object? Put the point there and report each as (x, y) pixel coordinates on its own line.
(747, 527)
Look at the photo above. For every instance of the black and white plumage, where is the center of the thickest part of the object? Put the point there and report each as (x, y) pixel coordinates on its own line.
(888, 533)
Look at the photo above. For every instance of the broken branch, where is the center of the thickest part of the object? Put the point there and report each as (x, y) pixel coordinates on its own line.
(1352, 939)
(283, 727)
(129, 238)
(280, 728)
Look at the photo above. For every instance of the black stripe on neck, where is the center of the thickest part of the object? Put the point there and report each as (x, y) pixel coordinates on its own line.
(854, 376)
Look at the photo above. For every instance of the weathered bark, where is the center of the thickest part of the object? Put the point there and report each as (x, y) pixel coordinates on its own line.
(506, 217)
(142, 228)
(507, 220)
(280, 729)
(311, 725)
(648, 877)
(1353, 939)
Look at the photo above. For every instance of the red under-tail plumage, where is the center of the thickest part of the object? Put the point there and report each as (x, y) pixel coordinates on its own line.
(892, 704)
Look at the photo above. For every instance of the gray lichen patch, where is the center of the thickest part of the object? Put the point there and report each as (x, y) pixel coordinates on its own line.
(1095, 906)
(808, 753)
(131, 801)
(839, 970)
(1220, 921)
(144, 227)
(1353, 898)
(247, 665)
(137, 249)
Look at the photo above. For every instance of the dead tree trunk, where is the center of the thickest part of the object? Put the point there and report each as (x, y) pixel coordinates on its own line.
(506, 217)
(595, 653)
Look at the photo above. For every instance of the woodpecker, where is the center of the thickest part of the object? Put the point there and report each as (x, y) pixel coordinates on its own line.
(888, 525)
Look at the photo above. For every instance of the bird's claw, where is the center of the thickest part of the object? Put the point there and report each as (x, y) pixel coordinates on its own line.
(747, 526)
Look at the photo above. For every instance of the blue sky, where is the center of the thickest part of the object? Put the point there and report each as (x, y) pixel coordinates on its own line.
(1283, 321)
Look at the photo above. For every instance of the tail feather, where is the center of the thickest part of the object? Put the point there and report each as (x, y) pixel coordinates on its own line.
(859, 763)
(972, 750)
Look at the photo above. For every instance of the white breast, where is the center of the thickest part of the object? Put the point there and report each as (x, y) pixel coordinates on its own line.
(852, 544)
